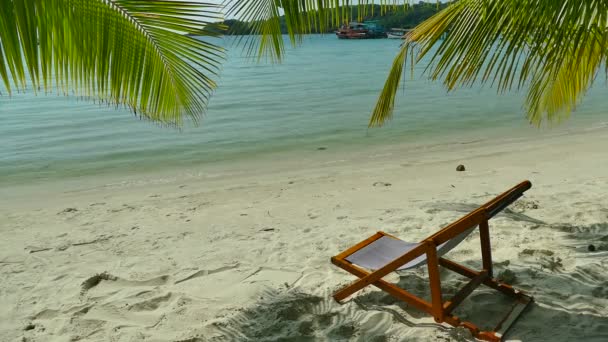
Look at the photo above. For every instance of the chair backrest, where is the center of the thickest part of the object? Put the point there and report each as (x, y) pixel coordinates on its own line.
(450, 236)
(442, 249)
(386, 248)
(506, 198)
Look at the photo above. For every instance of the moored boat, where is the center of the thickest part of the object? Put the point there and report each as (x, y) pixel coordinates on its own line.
(365, 30)
(390, 35)
(397, 33)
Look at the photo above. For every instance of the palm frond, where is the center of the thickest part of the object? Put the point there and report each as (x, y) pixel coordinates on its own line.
(139, 54)
(554, 48)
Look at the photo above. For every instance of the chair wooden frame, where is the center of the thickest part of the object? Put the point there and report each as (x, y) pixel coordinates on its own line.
(442, 310)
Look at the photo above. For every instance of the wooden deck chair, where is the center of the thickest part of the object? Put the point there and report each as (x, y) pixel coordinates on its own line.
(384, 254)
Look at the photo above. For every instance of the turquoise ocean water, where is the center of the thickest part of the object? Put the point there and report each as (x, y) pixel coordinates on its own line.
(321, 95)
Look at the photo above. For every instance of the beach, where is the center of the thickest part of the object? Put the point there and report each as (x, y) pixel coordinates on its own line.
(240, 251)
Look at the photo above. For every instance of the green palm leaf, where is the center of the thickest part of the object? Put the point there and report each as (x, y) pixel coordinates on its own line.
(552, 48)
(135, 53)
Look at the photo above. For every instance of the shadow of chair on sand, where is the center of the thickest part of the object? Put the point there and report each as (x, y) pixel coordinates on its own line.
(568, 307)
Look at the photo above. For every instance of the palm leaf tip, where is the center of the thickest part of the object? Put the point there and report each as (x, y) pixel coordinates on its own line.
(383, 111)
(134, 53)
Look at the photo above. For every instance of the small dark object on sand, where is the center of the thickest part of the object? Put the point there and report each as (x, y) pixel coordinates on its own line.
(591, 248)
(381, 184)
(68, 210)
(460, 168)
(322, 148)
(30, 326)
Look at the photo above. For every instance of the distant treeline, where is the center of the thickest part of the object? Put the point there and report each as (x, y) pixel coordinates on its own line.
(390, 17)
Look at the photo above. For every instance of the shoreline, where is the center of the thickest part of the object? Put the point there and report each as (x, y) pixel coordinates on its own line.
(118, 162)
(310, 161)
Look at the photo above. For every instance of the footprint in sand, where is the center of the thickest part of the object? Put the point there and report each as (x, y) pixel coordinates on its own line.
(152, 303)
(113, 281)
(117, 302)
(203, 273)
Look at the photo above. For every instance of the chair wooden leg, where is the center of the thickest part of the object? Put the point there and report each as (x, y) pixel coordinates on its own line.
(486, 251)
(434, 281)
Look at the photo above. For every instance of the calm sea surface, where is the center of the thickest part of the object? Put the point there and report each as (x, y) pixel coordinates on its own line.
(322, 95)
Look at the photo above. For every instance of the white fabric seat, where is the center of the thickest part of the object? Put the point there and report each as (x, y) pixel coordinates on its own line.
(386, 249)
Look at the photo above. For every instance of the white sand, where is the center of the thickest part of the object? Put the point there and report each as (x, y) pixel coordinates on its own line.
(241, 252)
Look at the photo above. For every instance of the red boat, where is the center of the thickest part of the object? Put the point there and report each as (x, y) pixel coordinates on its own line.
(352, 31)
(356, 30)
